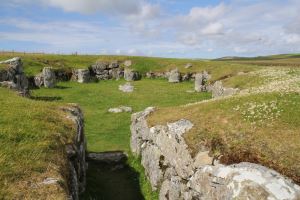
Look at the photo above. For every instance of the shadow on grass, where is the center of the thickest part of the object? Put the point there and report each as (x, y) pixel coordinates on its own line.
(111, 181)
(61, 87)
(45, 98)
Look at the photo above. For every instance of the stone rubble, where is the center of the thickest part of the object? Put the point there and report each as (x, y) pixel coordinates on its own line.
(177, 175)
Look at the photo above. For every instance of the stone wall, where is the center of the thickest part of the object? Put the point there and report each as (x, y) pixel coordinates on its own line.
(76, 152)
(177, 175)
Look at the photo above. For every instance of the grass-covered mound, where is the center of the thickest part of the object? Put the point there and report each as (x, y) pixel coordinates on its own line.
(261, 128)
(32, 138)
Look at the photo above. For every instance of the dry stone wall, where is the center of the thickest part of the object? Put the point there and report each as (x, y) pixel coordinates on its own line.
(177, 175)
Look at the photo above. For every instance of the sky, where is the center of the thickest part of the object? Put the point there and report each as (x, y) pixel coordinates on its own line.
(163, 28)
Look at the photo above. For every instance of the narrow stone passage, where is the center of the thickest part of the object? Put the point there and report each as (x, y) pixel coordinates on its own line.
(110, 178)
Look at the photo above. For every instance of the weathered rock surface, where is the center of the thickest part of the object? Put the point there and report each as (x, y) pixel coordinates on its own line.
(120, 109)
(131, 75)
(127, 87)
(49, 77)
(81, 75)
(177, 175)
(39, 80)
(174, 76)
(218, 90)
(14, 77)
(105, 70)
(76, 152)
(201, 81)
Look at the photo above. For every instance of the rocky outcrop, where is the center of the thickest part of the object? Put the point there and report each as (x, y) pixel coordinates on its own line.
(13, 77)
(174, 76)
(76, 152)
(49, 77)
(177, 175)
(218, 90)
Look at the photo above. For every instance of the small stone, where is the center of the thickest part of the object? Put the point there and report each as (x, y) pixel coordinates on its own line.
(127, 87)
(188, 65)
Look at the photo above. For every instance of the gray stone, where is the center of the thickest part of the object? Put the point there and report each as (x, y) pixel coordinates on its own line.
(114, 64)
(128, 63)
(116, 73)
(127, 87)
(49, 77)
(188, 65)
(219, 91)
(120, 109)
(99, 67)
(201, 81)
(39, 80)
(83, 75)
(174, 76)
(131, 75)
(113, 157)
(187, 77)
(3, 75)
(76, 152)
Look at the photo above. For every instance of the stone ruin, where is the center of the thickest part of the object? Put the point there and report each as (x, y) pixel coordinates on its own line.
(201, 81)
(13, 77)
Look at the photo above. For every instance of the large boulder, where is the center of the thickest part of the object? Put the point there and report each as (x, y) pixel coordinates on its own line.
(39, 80)
(131, 75)
(201, 81)
(49, 77)
(116, 73)
(174, 76)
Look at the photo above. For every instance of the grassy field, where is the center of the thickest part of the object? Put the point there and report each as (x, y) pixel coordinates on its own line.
(226, 127)
(32, 138)
(107, 131)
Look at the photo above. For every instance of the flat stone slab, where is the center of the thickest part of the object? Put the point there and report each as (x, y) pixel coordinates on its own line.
(126, 88)
(120, 109)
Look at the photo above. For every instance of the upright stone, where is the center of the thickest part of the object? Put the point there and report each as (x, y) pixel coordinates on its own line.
(83, 75)
(174, 76)
(49, 77)
(131, 75)
(201, 81)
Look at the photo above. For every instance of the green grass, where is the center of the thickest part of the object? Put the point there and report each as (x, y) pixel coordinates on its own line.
(32, 137)
(107, 131)
(269, 122)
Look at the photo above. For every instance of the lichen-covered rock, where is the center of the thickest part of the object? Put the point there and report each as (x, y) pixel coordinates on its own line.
(174, 76)
(201, 81)
(120, 109)
(49, 77)
(39, 80)
(177, 175)
(116, 73)
(83, 75)
(188, 65)
(131, 75)
(219, 91)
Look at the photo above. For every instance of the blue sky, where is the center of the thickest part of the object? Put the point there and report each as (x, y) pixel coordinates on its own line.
(166, 28)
